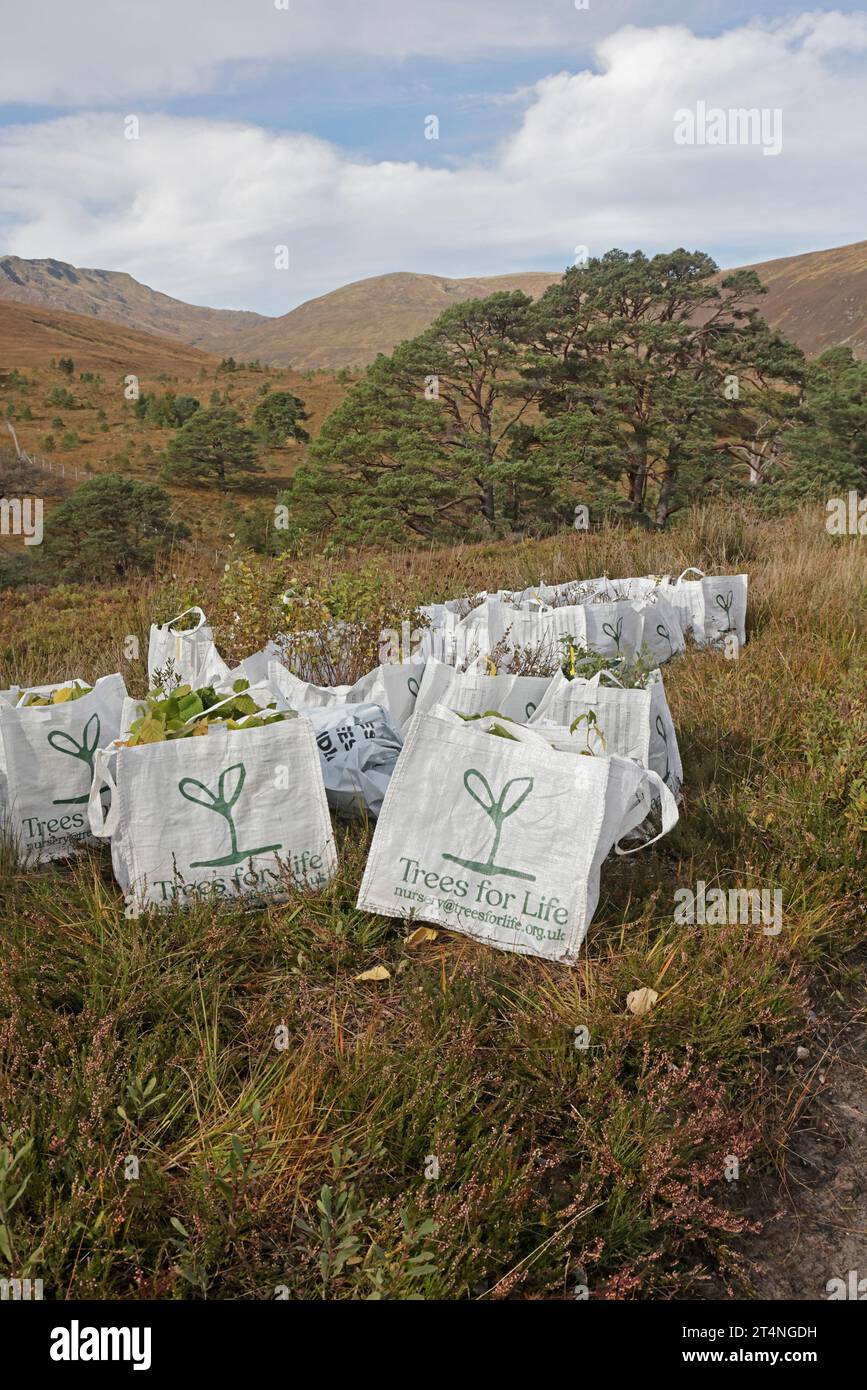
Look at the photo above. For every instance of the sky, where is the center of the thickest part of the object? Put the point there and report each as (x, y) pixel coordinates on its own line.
(256, 153)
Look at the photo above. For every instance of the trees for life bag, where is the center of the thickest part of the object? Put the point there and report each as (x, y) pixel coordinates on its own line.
(632, 723)
(611, 629)
(195, 658)
(711, 606)
(661, 631)
(393, 685)
(472, 692)
(237, 813)
(500, 839)
(48, 757)
(17, 695)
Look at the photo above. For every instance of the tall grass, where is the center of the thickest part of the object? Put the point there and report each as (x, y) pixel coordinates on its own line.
(167, 1147)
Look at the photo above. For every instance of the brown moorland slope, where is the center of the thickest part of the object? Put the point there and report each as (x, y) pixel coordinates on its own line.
(349, 326)
(31, 335)
(819, 299)
(116, 296)
(344, 328)
(95, 428)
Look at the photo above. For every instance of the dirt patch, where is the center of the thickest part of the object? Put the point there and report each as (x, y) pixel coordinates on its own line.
(813, 1210)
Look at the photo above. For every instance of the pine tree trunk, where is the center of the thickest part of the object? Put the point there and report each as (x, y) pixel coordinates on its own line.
(638, 479)
(665, 493)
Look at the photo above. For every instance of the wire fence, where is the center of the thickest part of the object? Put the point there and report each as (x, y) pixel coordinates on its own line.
(61, 469)
(214, 556)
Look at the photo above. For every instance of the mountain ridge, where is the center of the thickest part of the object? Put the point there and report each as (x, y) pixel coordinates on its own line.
(817, 298)
(118, 297)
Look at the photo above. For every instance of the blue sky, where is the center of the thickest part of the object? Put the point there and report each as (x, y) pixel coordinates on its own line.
(303, 127)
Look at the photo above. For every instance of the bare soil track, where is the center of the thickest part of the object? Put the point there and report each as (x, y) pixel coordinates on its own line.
(813, 1212)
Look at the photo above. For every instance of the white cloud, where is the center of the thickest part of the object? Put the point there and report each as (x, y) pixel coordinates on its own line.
(196, 207)
(107, 51)
(58, 52)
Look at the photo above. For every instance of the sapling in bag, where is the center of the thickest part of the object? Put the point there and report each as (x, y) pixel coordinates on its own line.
(182, 712)
(611, 629)
(29, 695)
(48, 756)
(236, 814)
(502, 837)
(40, 694)
(632, 722)
(189, 653)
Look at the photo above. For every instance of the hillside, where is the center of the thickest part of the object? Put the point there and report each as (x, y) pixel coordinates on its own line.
(349, 326)
(117, 297)
(93, 428)
(31, 335)
(344, 328)
(818, 300)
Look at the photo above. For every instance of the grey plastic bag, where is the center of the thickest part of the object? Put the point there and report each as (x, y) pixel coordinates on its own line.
(358, 748)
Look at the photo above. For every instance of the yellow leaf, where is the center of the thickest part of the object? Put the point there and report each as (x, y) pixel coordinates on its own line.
(420, 935)
(61, 696)
(641, 1001)
(378, 972)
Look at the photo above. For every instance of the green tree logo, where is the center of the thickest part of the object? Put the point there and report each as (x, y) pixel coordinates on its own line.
(221, 802)
(614, 631)
(725, 603)
(662, 631)
(62, 742)
(498, 809)
(660, 729)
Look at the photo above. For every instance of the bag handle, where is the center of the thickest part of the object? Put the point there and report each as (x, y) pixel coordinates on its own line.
(670, 813)
(691, 569)
(594, 680)
(188, 632)
(103, 823)
(520, 732)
